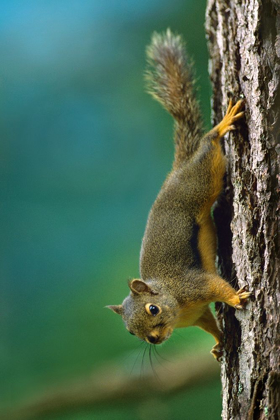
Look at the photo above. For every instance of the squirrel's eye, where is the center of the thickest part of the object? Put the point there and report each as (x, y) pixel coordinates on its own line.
(152, 309)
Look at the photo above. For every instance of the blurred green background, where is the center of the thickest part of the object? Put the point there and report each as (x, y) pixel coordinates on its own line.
(84, 151)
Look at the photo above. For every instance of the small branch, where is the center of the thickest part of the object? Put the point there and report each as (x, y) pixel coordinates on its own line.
(112, 384)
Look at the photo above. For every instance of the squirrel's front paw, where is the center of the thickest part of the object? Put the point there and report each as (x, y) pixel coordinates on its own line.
(243, 295)
(217, 351)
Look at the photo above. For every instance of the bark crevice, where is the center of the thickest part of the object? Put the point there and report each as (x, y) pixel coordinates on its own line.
(244, 47)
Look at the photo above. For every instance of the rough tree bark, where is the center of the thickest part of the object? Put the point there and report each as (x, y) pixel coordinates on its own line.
(244, 46)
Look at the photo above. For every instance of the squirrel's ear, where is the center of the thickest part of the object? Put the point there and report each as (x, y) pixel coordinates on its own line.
(139, 286)
(116, 308)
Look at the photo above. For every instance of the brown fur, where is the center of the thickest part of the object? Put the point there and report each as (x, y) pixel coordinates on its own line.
(170, 81)
(177, 261)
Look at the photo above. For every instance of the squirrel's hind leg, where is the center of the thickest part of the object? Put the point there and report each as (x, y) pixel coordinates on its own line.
(232, 115)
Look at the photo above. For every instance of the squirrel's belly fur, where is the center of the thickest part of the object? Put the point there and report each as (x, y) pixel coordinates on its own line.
(177, 259)
(207, 232)
(189, 314)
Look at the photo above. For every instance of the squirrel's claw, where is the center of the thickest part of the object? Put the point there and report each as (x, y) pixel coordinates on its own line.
(232, 110)
(217, 352)
(238, 116)
(243, 295)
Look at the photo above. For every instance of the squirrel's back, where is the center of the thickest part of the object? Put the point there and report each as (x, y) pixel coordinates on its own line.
(170, 243)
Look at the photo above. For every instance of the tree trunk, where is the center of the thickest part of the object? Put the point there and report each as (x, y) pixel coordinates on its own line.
(244, 46)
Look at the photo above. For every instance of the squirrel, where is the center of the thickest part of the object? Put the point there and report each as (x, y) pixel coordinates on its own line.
(177, 259)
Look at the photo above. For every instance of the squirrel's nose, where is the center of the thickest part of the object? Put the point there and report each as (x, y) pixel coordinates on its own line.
(153, 339)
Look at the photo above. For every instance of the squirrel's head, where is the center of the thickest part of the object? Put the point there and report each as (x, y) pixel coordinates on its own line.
(148, 313)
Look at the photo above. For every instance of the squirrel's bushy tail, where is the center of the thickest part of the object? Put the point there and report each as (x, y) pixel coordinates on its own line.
(170, 81)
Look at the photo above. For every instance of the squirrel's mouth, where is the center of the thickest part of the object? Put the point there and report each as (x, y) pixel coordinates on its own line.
(158, 337)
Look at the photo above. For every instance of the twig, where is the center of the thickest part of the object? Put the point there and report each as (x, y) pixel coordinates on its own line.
(112, 384)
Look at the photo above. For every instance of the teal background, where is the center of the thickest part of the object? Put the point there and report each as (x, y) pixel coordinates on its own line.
(83, 153)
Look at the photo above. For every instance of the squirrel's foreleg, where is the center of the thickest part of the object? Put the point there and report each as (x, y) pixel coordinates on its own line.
(209, 324)
(219, 290)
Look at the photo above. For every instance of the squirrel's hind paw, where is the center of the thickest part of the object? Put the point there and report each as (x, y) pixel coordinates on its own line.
(232, 115)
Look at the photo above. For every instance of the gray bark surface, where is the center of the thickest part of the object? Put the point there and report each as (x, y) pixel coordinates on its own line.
(244, 47)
